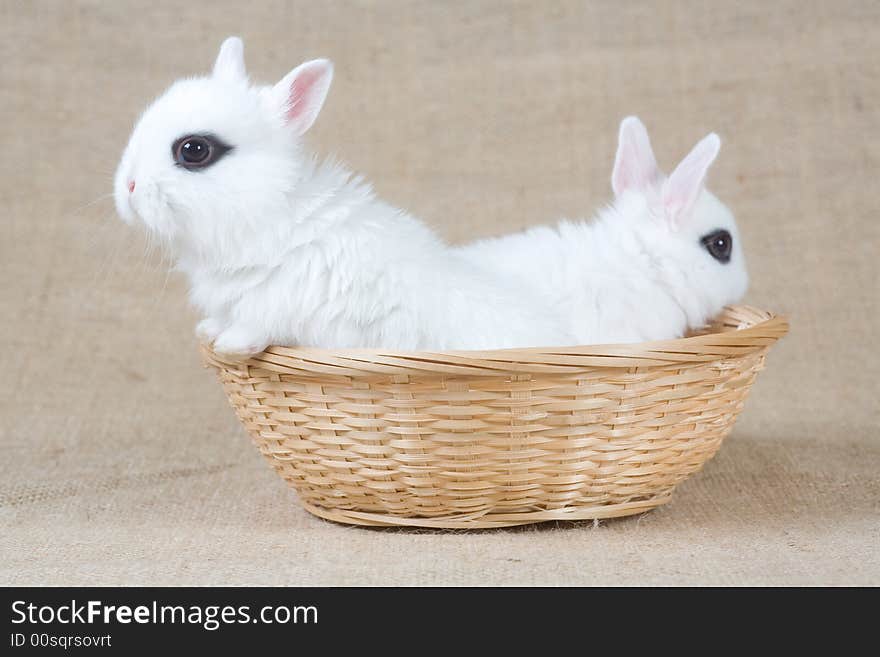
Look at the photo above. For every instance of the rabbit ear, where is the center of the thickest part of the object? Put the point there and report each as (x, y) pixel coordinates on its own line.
(634, 165)
(229, 64)
(681, 189)
(301, 93)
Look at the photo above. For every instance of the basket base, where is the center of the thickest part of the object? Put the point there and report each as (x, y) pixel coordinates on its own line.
(488, 520)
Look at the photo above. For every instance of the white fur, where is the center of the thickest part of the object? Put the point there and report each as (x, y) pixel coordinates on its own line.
(280, 249)
(638, 271)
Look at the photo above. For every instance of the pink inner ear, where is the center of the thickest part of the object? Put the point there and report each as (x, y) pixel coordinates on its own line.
(303, 85)
(634, 164)
(630, 172)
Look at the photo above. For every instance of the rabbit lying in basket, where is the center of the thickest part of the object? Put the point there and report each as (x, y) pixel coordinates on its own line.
(663, 258)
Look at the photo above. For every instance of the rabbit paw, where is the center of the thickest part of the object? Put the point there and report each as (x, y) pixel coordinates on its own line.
(208, 329)
(239, 343)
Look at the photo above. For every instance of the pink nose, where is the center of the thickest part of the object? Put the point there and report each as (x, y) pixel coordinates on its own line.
(131, 186)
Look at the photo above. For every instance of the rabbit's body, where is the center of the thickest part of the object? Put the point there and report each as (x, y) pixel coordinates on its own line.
(343, 269)
(602, 280)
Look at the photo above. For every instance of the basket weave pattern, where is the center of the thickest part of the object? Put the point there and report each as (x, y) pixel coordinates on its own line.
(491, 439)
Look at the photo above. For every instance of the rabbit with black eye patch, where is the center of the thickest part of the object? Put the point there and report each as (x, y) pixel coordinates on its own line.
(663, 258)
(281, 249)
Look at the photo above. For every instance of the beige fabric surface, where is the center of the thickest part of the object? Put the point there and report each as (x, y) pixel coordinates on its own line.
(120, 460)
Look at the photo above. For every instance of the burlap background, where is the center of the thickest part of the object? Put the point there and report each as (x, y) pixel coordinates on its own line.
(121, 461)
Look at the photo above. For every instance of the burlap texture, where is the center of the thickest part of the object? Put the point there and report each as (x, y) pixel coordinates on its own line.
(121, 460)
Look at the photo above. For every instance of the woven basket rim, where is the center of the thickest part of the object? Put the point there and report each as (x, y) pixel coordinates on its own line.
(739, 330)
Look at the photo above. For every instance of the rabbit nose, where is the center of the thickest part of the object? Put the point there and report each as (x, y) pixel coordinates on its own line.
(131, 186)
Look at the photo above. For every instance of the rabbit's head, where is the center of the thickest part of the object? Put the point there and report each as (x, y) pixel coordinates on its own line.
(689, 234)
(214, 156)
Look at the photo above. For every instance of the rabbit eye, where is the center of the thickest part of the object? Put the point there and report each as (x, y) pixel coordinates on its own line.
(719, 244)
(198, 151)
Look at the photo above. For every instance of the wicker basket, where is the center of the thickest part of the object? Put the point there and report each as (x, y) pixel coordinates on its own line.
(498, 438)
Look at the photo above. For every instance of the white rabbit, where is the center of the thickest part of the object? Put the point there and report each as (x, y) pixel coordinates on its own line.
(663, 258)
(280, 249)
